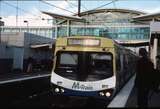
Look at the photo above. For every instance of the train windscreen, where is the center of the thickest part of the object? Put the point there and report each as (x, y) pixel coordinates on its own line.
(86, 66)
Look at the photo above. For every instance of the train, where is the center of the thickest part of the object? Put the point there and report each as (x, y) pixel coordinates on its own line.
(90, 66)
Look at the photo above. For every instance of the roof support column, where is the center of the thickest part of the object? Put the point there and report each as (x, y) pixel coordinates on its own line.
(155, 45)
(56, 30)
(68, 28)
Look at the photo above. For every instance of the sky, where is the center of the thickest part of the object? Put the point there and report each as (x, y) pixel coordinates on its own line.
(30, 9)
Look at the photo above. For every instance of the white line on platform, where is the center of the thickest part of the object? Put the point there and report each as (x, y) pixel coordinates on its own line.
(24, 78)
(121, 98)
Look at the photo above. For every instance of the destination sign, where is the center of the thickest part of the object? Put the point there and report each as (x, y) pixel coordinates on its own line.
(83, 42)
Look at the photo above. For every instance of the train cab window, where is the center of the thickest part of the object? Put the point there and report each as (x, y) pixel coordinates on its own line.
(101, 62)
(67, 64)
(84, 66)
(68, 59)
(101, 66)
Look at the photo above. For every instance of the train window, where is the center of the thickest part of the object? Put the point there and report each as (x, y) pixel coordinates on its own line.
(101, 66)
(101, 62)
(84, 66)
(67, 64)
(69, 59)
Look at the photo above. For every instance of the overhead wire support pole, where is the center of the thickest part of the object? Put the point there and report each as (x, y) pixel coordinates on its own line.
(17, 14)
(79, 7)
(76, 5)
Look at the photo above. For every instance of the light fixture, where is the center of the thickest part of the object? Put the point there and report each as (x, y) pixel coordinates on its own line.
(56, 90)
(101, 94)
(62, 90)
(108, 94)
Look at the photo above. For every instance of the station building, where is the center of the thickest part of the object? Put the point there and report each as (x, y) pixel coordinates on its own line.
(17, 47)
(115, 23)
(118, 24)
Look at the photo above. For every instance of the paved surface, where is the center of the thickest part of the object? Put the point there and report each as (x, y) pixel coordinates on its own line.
(121, 98)
(154, 99)
(14, 91)
(127, 97)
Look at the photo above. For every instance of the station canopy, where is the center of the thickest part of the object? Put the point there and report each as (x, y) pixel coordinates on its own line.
(64, 17)
(148, 17)
(45, 45)
(133, 43)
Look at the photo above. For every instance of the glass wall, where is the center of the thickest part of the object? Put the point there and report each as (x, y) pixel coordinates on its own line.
(46, 32)
(119, 33)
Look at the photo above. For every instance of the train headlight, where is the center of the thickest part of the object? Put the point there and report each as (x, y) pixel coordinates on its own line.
(62, 90)
(56, 90)
(108, 94)
(101, 94)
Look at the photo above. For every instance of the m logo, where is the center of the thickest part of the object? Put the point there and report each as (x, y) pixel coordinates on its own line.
(77, 85)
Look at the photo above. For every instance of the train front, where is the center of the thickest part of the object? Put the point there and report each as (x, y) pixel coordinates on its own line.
(84, 67)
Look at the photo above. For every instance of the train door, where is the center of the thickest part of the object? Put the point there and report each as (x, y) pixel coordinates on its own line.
(122, 71)
(128, 65)
(119, 69)
(125, 67)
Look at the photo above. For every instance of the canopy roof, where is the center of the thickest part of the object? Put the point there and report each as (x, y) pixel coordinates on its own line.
(64, 17)
(148, 17)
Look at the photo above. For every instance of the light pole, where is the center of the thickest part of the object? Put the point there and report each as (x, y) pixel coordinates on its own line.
(25, 21)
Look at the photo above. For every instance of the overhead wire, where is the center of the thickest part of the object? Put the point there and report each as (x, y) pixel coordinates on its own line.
(114, 4)
(113, 1)
(43, 1)
(19, 8)
(75, 5)
(71, 4)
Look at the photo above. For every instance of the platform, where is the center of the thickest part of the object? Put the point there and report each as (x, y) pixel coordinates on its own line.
(127, 97)
(154, 99)
(122, 96)
(14, 77)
